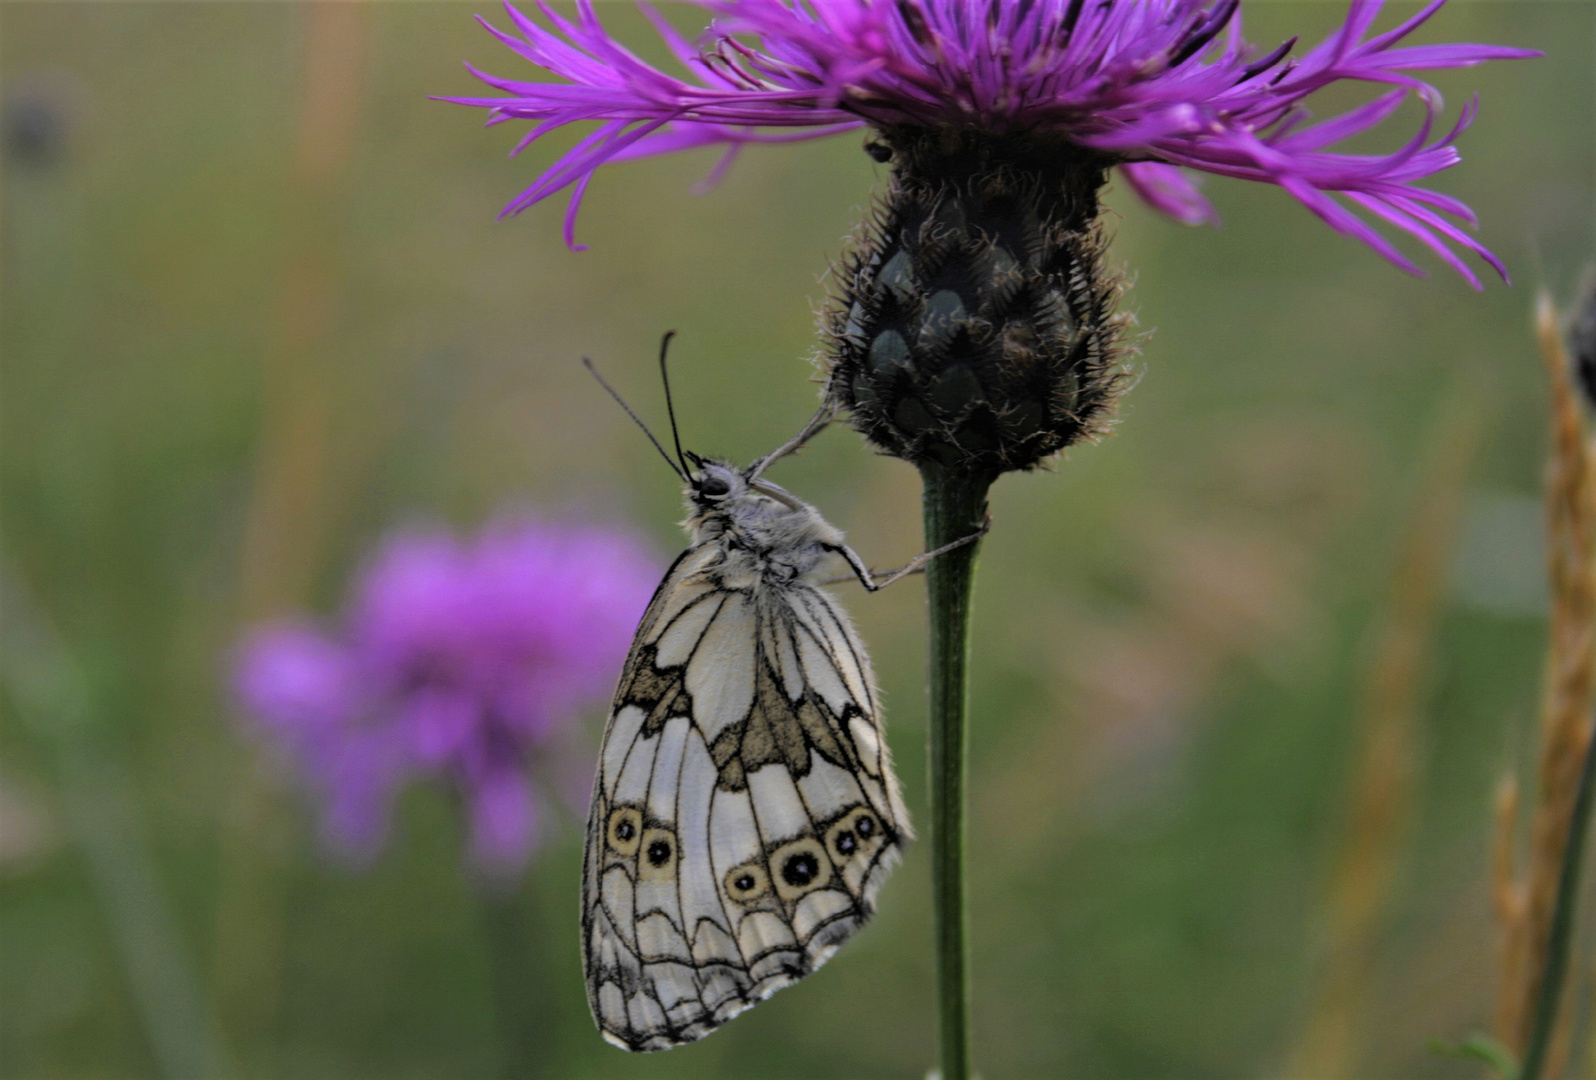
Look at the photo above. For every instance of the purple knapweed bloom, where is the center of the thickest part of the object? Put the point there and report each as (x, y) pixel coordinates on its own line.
(461, 660)
(1152, 86)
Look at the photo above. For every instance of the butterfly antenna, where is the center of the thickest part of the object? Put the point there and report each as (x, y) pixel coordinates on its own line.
(593, 371)
(670, 408)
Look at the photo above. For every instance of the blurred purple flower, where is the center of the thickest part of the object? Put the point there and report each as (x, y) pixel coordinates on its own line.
(458, 659)
(1153, 84)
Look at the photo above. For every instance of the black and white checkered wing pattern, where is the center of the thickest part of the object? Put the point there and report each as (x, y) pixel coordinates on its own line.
(745, 811)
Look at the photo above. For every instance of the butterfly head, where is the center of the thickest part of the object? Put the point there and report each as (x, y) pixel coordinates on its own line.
(713, 484)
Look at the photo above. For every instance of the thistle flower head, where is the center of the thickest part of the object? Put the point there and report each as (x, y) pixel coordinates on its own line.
(457, 660)
(1153, 86)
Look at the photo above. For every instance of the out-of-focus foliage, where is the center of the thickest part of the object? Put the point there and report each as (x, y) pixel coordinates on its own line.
(1171, 628)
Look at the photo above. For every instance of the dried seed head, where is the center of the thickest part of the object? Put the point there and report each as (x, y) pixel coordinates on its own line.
(974, 321)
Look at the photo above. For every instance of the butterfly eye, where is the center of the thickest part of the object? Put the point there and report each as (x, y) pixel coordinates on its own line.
(747, 883)
(715, 487)
(799, 867)
(656, 860)
(856, 834)
(624, 827)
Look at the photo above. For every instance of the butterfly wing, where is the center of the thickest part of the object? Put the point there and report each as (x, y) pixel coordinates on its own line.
(745, 813)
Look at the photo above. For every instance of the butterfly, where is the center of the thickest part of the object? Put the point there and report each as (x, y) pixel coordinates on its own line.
(745, 812)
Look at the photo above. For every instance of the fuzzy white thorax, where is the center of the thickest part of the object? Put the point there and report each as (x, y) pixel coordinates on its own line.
(765, 534)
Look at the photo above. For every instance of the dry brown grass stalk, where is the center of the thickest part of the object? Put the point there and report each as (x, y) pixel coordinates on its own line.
(1526, 897)
(1384, 776)
(287, 523)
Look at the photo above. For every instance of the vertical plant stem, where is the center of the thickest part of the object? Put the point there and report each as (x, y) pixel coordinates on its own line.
(954, 507)
(1555, 973)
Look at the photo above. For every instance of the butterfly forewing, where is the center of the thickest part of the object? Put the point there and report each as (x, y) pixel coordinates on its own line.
(745, 811)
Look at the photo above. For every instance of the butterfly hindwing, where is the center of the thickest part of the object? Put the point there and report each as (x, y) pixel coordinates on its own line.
(745, 812)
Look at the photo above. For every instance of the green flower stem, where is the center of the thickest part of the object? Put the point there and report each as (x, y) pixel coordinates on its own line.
(954, 507)
(1550, 995)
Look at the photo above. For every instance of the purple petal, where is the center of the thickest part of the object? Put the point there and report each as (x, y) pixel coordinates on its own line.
(358, 777)
(1147, 81)
(504, 821)
(461, 661)
(438, 723)
(1166, 189)
(294, 679)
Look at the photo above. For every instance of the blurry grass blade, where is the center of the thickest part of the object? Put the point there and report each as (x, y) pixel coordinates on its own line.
(1549, 1040)
(1382, 794)
(1507, 896)
(286, 524)
(50, 694)
(1479, 1048)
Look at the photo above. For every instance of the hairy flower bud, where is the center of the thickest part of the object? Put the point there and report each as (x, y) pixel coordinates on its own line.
(973, 324)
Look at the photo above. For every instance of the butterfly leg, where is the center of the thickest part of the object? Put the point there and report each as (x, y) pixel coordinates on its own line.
(817, 423)
(913, 566)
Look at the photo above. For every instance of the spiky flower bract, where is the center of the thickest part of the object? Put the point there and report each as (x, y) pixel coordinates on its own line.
(462, 660)
(972, 323)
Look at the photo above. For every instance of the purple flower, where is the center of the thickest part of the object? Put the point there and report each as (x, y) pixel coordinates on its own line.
(464, 660)
(1155, 85)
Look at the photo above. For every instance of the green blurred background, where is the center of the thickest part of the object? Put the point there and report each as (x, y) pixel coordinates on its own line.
(257, 310)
